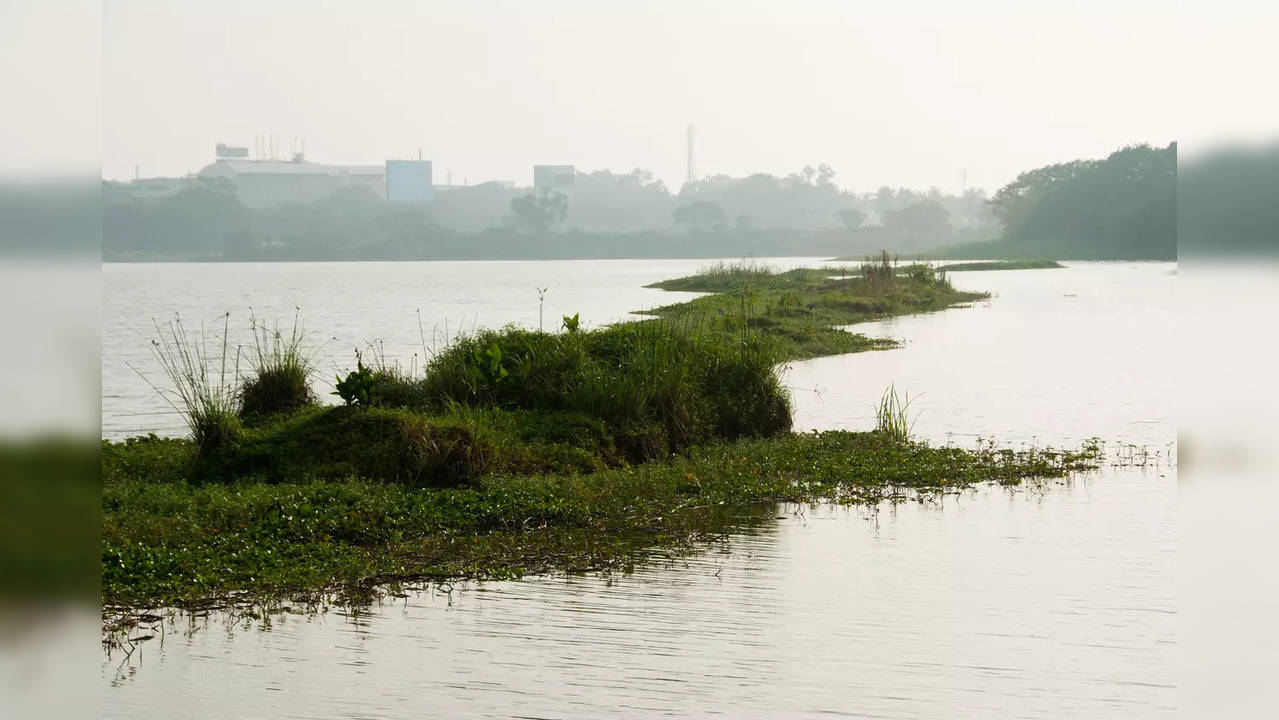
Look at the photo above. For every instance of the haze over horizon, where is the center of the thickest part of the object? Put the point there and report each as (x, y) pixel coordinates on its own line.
(903, 95)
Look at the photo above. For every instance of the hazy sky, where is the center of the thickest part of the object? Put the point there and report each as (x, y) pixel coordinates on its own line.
(898, 93)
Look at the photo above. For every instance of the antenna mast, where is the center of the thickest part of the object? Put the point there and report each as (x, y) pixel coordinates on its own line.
(691, 176)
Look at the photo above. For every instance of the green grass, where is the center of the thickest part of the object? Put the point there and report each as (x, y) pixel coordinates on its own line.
(725, 277)
(517, 451)
(801, 311)
(387, 444)
(892, 415)
(985, 265)
(169, 541)
(658, 386)
(1003, 265)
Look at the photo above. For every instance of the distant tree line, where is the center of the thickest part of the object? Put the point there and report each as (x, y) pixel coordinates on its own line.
(1123, 206)
(727, 216)
(1226, 202)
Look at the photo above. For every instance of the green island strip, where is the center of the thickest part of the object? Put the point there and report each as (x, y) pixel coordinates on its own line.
(516, 451)
(986, 265)
(1001, 265)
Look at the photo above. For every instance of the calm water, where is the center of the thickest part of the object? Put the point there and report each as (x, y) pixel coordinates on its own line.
(345, 306)
(1051, 602)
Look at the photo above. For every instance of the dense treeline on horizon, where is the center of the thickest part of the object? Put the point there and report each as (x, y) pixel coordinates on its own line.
(1120, 207)
(1226, 201)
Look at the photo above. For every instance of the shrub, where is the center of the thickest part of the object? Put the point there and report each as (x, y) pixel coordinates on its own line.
(281, 377)
(694, 386)
(393, 387)
(386, 386)
(333, 443)
(358, 386)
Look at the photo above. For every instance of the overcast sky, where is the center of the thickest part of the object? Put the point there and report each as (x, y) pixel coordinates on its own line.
(897, 93)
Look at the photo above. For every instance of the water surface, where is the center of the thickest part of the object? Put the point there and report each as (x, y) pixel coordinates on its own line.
(1046, 601)
(406, 309)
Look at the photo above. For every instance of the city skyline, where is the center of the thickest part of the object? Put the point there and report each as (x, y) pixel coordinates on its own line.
(489, 90)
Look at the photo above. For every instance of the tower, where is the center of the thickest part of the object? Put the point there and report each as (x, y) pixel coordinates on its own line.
(691, 176)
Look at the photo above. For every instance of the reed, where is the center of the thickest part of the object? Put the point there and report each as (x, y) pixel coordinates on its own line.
(891, 415)
(202, 382)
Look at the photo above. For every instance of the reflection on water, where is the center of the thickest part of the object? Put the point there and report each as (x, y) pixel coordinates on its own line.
(1035, 602)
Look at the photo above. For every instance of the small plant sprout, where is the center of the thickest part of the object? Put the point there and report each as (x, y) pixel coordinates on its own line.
(487, 366)
(357, 388)
(572, 323)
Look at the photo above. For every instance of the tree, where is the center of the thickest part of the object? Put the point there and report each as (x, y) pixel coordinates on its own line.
(884, 202)
(806, 199)
(700, 214)
(852, 218)
(924, 223)
(537, 212)
(1122, 206)
(199, 219)
(608, 202)
(471, 208)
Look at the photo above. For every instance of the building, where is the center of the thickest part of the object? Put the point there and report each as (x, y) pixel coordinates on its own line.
(554, 178)
(156, 188)
(409, 182)
(261, 183)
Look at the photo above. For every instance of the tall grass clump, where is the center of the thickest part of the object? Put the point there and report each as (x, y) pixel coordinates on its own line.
(879, 273)
(891, 415)
(281, 371)
(205, 395)
(746, 269)
(724, 277)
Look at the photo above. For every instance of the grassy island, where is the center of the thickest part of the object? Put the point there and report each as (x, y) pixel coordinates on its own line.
(517, 451)
(988, 265)
(1002, 265)
(800, 312)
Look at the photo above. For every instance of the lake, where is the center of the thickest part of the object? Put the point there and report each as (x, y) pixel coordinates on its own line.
(1056, 600)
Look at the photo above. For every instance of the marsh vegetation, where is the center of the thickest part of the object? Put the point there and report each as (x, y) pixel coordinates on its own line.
(516, 450)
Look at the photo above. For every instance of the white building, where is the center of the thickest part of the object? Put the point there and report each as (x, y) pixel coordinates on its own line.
(261, 183)
(555, 178)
